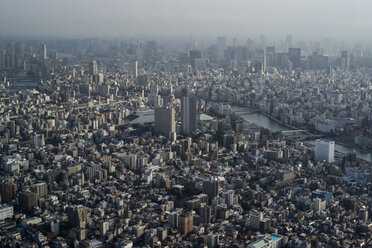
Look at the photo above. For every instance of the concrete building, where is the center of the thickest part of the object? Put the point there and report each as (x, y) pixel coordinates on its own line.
(325, 150)
(188, 115)
(165, 121)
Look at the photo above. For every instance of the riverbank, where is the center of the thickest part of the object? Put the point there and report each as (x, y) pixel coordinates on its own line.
(274, 125)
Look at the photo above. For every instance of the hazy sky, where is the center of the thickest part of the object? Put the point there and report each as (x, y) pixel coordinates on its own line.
(343, 19)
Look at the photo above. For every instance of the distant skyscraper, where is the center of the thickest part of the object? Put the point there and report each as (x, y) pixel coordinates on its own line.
(345, 60)
(262, 41)
(134, 68)
(93, 68)
(194, 54)
(188, 111)
(325, 150)
(165, 121)
(221, 45)
(288, 41)
(294, 55)
(43, 51)
(19, 55)
(2, 60)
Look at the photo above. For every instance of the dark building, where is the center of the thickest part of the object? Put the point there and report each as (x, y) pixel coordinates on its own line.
(294, 55)
(27, 200)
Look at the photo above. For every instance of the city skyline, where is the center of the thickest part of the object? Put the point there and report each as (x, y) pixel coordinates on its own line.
(342, 20)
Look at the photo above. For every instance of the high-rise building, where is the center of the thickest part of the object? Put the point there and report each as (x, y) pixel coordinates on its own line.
(206, 214)
(345, 60)
(133, 68)
(2, 60)
(221, 45)
(212, 240)
(27, 200)
(185, 223)
(294, 55)
(255, 218)
(318, 204)
(8, 190)
(288, 41)
(194, 54)
(165, 121)
(40, 189)
(173, 219)
(188, 111)
(211, 187)
(77, 216)
(43, 51)
(325, 150)
(93, 68)
(19, 55)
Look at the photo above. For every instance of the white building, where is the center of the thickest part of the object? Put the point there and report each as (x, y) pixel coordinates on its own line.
(272, 241)
(325, 150)
(6, 212)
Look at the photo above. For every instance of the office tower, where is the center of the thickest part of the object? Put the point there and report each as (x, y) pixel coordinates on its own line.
(27, 200)
(211, 187)
(2, 60)
(165, 121)
(19, 55)
(255, 218)
(133, 68)
(43, 51)
(325, 150)
(173, 219)
(294, 55)
(93, 68)
(288, 41)
(8, 190)
(188, 111)
(194, 54)
(77, 216)
(40, 189)
(185, 223)
(206, 214)
(221, 45)
(345, 60)
(212, 240)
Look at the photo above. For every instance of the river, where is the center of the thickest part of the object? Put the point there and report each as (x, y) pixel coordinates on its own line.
(265, 122)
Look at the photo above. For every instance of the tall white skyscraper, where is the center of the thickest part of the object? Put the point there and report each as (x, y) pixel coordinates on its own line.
(325, 150)
(188, 114)
(134, 68)
(43, 51)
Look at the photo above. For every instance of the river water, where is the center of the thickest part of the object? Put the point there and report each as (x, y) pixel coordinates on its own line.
(265, 122)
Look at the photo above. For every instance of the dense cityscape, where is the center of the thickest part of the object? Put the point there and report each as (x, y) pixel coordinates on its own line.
(146, 143)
